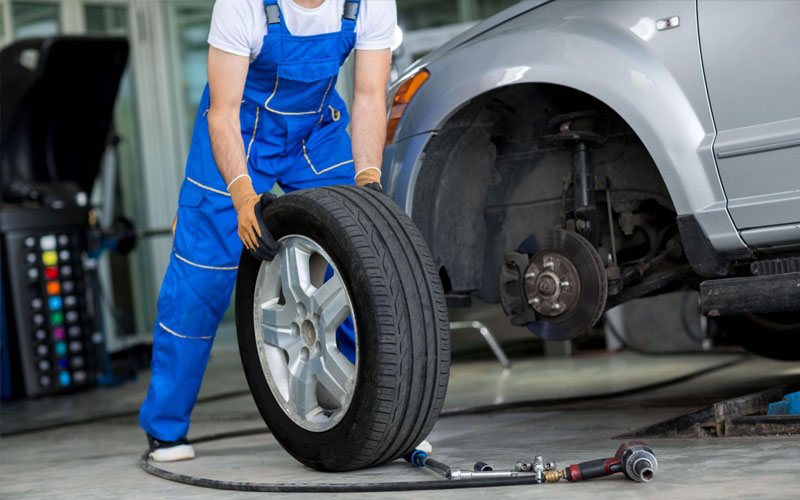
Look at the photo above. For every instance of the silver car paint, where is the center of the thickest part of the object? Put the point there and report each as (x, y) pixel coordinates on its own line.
(751, 60)
(608, 49)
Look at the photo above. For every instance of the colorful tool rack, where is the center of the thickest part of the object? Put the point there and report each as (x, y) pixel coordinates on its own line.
(53, 343)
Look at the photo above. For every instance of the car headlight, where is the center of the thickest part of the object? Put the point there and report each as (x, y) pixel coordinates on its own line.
(402, 97)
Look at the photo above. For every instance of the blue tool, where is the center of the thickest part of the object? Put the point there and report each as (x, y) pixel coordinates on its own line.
(789, 405)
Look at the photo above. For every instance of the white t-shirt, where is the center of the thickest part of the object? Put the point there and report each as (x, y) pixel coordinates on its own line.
(239, 26)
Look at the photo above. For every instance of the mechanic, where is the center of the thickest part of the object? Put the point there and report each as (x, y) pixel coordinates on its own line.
(270, 113)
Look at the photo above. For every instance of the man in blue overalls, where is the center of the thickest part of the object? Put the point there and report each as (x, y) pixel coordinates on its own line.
(274, 116)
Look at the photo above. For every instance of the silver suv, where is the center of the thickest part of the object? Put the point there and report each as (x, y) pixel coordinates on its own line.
(564, 157)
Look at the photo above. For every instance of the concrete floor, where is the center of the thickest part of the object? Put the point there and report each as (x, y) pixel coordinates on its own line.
(100, 460)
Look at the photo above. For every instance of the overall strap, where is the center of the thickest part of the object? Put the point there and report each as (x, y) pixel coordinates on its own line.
(350, 15)
(273, 12)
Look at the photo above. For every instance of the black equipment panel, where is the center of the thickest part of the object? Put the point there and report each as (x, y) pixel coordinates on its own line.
(52, 340)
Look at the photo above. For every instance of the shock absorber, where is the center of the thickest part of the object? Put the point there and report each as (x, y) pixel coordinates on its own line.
(578, 131)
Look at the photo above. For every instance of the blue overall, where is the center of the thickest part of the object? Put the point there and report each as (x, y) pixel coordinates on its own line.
(294, 130)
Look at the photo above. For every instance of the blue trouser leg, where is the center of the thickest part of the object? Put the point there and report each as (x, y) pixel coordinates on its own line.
(180, 354)
(194, 295)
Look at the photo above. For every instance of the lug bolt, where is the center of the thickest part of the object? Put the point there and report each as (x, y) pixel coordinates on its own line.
(536, 300)
(549, 264)
(530, 275)
(556, 306)
(565, 284)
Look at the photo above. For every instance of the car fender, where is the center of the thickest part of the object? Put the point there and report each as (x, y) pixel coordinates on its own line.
(613, 52)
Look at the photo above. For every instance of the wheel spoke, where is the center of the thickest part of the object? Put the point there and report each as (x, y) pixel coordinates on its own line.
(337, 364)
(335, 381)
(295, 272)
(330, 301)
(302, 390)
(276, 316)
(276, 332)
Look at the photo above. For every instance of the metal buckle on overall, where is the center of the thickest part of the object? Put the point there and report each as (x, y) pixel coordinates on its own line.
(273, 14)
(350, 10)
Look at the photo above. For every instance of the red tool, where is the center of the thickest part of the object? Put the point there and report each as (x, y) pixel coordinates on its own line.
(634, 459)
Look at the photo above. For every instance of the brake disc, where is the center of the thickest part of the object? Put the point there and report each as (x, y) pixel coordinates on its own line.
(565, 283)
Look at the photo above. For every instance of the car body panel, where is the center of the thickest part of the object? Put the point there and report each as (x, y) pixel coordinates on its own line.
(782, 237)
(610, 50)
(751, 58)
(400, 168)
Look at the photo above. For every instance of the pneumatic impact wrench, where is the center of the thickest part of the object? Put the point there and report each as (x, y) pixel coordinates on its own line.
(635, 459)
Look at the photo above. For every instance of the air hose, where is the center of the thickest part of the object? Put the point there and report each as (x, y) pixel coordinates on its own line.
(326, 487)
(148, 467)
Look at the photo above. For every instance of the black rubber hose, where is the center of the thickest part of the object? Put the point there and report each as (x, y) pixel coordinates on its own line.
(113, 415)
(333, 487)
(145, 464)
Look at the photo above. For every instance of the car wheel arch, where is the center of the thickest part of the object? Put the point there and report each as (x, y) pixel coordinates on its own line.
(450, 187)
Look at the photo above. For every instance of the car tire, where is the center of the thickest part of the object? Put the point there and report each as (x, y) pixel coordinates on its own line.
(401, 322)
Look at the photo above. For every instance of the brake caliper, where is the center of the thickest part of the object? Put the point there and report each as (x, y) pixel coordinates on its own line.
(512, 293)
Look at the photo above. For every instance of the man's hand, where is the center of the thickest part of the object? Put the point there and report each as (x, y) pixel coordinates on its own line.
(249, 209)
(267, 246)
(369, 177)
(375, 186)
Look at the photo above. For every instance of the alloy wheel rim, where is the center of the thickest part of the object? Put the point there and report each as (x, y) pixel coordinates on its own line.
(296, 313)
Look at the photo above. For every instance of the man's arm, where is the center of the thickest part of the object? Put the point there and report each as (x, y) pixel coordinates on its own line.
(369, 113)
(227, 74)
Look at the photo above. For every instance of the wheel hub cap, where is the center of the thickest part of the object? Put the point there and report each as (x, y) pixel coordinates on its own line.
(309, 333)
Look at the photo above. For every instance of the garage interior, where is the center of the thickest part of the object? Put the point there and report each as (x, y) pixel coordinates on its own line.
(721, 420)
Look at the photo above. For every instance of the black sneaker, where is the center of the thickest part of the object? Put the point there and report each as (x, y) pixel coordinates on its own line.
(169, 451)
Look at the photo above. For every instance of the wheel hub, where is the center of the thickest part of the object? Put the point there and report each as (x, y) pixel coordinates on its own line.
(564, 283)
(552, 285)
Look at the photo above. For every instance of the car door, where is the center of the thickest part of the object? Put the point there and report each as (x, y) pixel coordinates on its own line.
(751, 60)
